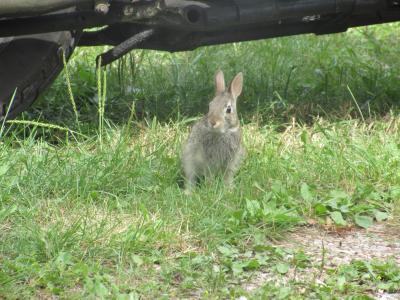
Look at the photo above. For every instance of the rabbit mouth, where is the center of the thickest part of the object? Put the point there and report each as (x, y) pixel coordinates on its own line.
(215, 123)
(219, 128)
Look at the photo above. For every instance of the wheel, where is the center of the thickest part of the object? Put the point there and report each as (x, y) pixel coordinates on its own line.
(28, 65)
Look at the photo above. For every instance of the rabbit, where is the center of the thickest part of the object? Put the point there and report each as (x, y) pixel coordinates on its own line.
(214, 145)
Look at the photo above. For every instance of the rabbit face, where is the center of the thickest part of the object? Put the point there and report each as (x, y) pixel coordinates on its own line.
(222, 114)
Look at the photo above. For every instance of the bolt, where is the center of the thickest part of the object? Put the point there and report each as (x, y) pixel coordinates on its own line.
(102, 7)
(128, 10)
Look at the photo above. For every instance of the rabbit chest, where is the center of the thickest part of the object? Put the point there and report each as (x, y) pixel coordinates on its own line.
(220, 149)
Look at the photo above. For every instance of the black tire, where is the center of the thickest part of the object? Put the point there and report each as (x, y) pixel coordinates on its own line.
(28, 65)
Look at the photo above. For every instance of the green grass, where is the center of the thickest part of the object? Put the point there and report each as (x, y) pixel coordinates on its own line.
(91, 205)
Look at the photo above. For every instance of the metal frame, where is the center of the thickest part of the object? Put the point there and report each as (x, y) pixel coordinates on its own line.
(176, 25)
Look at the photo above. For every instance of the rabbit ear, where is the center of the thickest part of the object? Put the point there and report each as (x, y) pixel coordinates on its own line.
(237, 85)
(219, 82)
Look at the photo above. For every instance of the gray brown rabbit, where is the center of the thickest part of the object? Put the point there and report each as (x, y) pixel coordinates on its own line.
(214, 145)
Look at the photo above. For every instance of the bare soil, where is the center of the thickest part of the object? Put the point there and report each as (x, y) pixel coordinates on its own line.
(329, 248)
(338, 247)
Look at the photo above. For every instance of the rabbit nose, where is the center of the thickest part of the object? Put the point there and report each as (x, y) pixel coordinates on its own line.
(215, 123)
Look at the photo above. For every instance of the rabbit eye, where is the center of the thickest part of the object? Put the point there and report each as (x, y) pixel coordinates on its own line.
(228, 110)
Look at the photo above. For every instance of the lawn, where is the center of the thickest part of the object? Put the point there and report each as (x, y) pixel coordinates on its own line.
(91, 200)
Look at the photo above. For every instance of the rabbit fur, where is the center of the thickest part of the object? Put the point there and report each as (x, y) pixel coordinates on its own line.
(214, 145)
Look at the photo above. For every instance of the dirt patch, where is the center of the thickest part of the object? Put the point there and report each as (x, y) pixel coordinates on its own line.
(332, 248)
(381, 241)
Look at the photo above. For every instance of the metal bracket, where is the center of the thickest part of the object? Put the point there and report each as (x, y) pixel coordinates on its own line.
(123, 48)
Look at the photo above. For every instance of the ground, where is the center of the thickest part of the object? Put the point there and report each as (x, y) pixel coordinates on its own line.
(330, 248)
